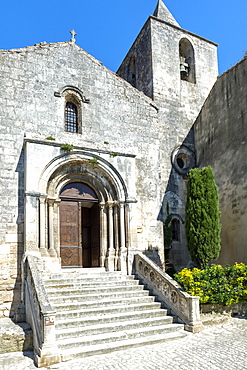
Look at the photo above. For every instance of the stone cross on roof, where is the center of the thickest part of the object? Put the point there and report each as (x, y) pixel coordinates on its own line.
(73, 33)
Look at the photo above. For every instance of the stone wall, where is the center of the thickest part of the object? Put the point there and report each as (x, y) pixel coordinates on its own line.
(118, 119)
(221, 137)
(115, 118)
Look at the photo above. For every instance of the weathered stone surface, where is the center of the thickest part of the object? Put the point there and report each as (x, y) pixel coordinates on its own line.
(14, 338)
(225, 345)
(143, 126)
(221, 137)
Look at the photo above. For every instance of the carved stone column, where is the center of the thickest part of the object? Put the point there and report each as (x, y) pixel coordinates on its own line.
(103, 234)
(52, 252)
(116, 234)
(111, 251)
(122, 263)
(42, 228)
(56, 226)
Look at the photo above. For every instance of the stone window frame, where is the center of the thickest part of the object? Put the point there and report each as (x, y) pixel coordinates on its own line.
(183, 159)
(72, 96)
(187, 60)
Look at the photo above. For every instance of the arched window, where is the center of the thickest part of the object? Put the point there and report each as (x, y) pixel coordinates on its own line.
(187, 61)
(71, 117)
(175, 230)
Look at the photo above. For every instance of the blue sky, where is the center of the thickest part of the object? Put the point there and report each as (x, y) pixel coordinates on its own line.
(107, 28)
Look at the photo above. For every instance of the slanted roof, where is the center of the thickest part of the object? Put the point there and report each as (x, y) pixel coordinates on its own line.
(163, 13)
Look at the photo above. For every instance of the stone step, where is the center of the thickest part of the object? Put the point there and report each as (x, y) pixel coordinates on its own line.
(74, 271)
(61, 280)
(100, 312)
(97, 296)
(88, 340)
(107, 310)
(114, 303)
(75, 322)
(99, 328)
(90, 350)
(84, 270)
(94, 290)
(52, 291)
(88, 284)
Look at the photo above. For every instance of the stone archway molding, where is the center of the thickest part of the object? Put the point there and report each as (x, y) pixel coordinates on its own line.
(111, 191)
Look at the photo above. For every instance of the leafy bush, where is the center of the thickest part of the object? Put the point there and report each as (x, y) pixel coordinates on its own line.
(67, 147)
(93, 161)
(113, 154)
(216, 284)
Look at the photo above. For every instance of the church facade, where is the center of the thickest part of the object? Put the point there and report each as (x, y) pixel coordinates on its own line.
(91, 158)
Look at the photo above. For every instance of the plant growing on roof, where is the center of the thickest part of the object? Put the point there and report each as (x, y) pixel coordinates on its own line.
(67, 147)
(93, 161)
(113, 154)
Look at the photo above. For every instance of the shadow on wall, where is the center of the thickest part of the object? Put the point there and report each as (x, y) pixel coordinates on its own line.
(183, 158)
(153, 254)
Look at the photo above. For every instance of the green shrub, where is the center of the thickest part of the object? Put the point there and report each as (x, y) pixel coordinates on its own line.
(67, 147)
(113, 154)
(216, 284)
(50, 138)
(93, 161)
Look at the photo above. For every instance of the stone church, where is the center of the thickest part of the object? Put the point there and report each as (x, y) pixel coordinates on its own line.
(91, 158)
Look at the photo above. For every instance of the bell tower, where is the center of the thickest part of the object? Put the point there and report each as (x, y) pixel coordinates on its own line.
(173, 66)
(176, 69)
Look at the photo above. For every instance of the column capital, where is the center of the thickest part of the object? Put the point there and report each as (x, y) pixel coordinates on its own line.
(110, 204)
(42, 199)
(51, 201)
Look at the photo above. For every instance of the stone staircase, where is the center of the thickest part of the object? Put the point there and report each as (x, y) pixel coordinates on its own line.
(100, 312)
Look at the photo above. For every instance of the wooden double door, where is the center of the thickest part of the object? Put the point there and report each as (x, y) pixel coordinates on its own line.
(79, 233)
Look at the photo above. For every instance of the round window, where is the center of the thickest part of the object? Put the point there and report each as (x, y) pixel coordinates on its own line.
(183, 159)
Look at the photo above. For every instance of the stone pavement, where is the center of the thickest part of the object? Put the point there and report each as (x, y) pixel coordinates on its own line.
(223, 346)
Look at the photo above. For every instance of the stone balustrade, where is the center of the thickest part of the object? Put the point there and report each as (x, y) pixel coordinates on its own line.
(39, 314)
(181, 304)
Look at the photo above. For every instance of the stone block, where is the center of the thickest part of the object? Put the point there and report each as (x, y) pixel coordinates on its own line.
(4, 250)
(15, 337)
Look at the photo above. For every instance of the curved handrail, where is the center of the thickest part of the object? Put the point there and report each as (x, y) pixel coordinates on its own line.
(39, 314)
(182, 304)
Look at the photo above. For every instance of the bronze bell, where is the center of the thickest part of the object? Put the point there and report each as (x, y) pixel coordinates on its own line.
(184, 67)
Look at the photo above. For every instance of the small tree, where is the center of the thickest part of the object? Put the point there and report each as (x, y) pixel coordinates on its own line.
(202, 223)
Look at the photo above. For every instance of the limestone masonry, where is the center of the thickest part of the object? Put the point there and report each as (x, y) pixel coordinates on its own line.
(135, 135)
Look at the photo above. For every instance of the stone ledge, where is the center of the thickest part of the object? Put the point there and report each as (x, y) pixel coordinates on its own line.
(237, 309)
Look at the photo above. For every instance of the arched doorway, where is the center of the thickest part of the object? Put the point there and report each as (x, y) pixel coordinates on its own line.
(79, 226)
